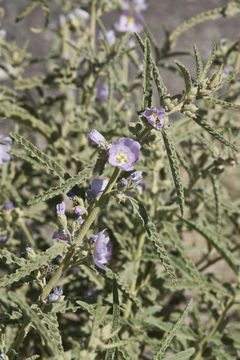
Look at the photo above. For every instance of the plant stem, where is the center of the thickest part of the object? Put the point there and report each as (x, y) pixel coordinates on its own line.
(208, 337)
(136, 267)
(87, 224)
(22, 225)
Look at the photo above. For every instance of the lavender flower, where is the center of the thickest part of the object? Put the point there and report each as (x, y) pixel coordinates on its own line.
(78, 210)
(102, 91)
(110, 36)
(61, 209)
(81, 13)
(97, 138)
(4, 239)
(4, 148)
(138, 5)
(124, 153)
(97, 187)
(8, 206)
(102, 250)
(57, 292)
(129, 22)
(80, 220)
(71, 195)
(155, 117)
(62, 235)
(123, 182)
(136, 177)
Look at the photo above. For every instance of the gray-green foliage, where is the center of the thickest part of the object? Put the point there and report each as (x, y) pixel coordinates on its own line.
(136, 308)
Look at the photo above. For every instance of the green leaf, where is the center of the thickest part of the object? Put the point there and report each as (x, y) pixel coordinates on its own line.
(186, 76)
(64, 187)
(29, 83)
(201, 122)
(42, 157)
(30, 8)
(224, 104)
(183, 355)
(154, 237)
(52, 343)
(173, 162)
(199, 65)
(147, 73)
(35, 263)
(217, 244)
(10, 258)
(17, 113)
(172, 333)
(209, 62)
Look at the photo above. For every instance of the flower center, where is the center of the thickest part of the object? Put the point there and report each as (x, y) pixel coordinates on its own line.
(131, 20)
(156, 119)
(121, 157)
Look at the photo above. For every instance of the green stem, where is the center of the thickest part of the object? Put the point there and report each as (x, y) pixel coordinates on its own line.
(87, 224)
(22, 225)
(19, 339)
(136, 267)
(93, 24)
(208, 337)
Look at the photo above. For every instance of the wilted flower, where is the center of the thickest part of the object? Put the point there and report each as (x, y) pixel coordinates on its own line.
(8, 206)
(61, 208)
(129, 22)
(102, 91)
(4, 148)
(124, 153)
(71, 195)
(57, 292)
(136, 177)
(110, 36)
(155, 117)
(97, 138)
(102, 250)
(62, 235)
(97, 187)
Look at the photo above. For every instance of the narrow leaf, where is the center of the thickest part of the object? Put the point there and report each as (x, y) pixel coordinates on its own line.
(199, 65)
(209, 62)
(186, 76)
(147, 73)
(183, 355)
(173, 161)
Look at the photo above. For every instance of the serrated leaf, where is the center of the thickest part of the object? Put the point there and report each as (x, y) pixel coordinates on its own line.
(200, 121)
(199, 65)
(183, 355)
(172, 333)
(17, 113)
(224, 104)
(186, 76)
(41, 259)
(10, 258)
(217, 244)
(41, 156)
(154, 236)
(29, 83)
(147, 74)
(64, 187)
(209, 62)
(51, 344)
(173, 162)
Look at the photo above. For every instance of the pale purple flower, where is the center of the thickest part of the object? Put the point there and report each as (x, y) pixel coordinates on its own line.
(62, 235)
(155, 117)
(123, 182)
(61, 209)
(97, 187)
(111, 37)
(5, 143)
(2, 356)
(78, 210)
(137, 5)
(8, 206)
(102, 91)
(4, 239)
(80, 220)
(81, 13)
(129, 22)
(136, 177)
(124, 153)
(57, 292)
(102, 250)
(97, 138)
(71, 195)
